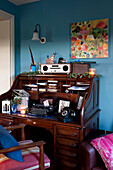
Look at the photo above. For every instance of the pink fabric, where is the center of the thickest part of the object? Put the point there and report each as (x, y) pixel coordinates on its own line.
(31, 160)
(104, 145)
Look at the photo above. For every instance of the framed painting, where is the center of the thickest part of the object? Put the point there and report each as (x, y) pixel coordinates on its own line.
(89, 39)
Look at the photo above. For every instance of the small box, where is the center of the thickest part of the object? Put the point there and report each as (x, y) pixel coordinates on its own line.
(20, 93)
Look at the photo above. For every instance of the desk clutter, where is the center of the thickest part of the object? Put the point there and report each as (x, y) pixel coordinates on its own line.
(60, 97)
(65, 106)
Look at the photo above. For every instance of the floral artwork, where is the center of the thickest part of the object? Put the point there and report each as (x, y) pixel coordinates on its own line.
(89, 39)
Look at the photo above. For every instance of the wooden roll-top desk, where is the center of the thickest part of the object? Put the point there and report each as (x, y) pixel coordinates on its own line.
(66, 136)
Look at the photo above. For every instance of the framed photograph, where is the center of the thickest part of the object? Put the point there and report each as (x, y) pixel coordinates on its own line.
(6, 106)
(62, 104)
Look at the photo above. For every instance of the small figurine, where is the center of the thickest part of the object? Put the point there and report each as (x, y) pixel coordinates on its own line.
(51, 60)
(47, 59)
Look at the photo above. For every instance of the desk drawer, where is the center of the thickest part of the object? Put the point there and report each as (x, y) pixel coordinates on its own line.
(69, 132)
(5, 120)
(64, 163)
(67, 142)
(67, 151)
(37, 123)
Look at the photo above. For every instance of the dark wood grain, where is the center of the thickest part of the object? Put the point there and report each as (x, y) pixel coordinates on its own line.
(40, 143)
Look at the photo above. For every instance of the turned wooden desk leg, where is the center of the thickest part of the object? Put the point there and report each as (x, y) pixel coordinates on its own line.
(22, 134)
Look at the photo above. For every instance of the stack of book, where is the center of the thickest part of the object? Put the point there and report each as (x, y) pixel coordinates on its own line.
(42, 89)
(42, 86)
(32, 87)
(52, 85)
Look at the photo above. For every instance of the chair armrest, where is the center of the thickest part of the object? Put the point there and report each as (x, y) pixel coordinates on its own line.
(12, 127)
(19, 126)
(87, 156)
(25, 146)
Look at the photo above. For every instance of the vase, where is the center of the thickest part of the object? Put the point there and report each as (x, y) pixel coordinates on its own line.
(13, 108)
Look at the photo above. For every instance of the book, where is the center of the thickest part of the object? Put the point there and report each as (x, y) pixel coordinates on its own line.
(42, 84)
(83, 84)
(52, 90)
(78, 88)
(53, 81)
(52, 84)
(52, 87)
(31, 85)
(42, 90)
(66, 85)
(34, 89)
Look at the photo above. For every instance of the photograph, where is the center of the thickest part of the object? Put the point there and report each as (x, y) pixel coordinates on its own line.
(62, 104)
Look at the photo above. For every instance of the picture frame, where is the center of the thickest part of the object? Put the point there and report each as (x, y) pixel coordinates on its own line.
(6, 106)
(62, 104)
(89, 39)
(20, 93)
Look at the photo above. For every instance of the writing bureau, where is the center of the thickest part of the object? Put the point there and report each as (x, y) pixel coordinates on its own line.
(66, 136)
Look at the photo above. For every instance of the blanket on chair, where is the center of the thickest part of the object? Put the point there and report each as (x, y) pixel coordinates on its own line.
(104, 146)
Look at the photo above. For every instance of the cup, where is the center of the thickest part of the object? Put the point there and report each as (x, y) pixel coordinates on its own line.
(33, 68)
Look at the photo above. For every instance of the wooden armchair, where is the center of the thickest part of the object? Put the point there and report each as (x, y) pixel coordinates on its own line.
(22, 146)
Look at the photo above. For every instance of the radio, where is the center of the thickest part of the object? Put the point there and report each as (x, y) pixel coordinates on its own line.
(55, 68)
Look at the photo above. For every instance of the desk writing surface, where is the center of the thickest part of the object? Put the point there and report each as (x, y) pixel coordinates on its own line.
(38, 119)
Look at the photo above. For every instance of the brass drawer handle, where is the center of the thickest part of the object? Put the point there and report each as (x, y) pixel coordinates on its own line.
(75, 134)
(74, 145)
(74, 155)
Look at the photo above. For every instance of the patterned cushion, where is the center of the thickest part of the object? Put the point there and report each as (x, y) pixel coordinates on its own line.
(31, 158)
(7, 141)
(104, 145)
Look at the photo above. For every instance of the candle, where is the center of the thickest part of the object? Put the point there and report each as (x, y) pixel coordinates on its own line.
(92, 71)
(23, 110)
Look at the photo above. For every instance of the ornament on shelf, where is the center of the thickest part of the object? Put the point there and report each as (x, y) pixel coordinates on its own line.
(51, 60)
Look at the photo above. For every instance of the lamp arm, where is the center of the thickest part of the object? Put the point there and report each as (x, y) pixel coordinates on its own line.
(39, 29)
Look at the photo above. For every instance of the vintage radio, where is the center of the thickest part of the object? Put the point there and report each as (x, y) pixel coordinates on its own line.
(55, 68)
(80, 67)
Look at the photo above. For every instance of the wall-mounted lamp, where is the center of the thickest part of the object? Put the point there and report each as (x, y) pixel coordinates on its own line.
(36, 35)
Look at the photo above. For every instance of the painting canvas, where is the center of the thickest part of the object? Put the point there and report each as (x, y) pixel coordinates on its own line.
(89, 39)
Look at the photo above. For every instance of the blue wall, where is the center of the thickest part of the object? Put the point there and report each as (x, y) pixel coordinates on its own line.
(10, 8)
(55, 17)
